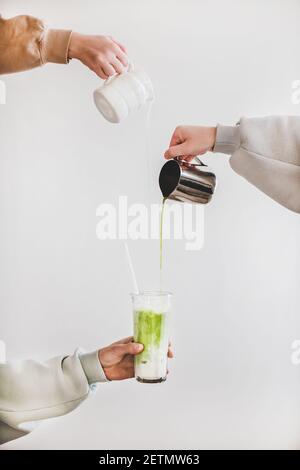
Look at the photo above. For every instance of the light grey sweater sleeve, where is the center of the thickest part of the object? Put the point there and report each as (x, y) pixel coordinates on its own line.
(266, 151)
(31, 391)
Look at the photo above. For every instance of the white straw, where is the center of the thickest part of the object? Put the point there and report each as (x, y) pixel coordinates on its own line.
(129, 259)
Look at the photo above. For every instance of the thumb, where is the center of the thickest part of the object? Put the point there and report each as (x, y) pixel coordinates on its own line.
(131, 348)
(176, 151)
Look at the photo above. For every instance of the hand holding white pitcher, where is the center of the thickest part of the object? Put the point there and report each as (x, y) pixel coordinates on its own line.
(104, 55)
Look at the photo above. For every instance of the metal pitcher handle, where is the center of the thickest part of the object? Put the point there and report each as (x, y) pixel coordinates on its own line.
(196, 159)
(199, 162)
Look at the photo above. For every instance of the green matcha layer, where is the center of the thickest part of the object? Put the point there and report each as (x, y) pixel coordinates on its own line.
(149, 329)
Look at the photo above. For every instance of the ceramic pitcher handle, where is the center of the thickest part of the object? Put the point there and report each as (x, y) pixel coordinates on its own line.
(129, 69)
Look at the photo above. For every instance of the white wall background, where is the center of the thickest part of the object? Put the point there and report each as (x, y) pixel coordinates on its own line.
(236, 311)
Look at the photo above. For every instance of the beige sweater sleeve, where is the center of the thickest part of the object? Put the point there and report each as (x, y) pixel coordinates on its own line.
(31, 391)
(26, 43)
(266, 151)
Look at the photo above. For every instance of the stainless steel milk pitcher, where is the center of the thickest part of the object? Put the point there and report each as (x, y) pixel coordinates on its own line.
(187, 182)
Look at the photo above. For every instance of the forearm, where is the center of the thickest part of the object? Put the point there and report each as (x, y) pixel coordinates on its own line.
(31, 390)
(227, 139)
(26, 43)
(266, 151)
(276, 137)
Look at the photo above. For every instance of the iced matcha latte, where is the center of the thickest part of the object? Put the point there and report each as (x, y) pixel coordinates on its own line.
(151, 312)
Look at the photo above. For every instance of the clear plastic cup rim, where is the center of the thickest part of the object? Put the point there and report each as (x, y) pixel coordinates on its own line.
(151, 294)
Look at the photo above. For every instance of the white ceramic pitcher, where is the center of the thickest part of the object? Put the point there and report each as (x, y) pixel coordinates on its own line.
(122, 94)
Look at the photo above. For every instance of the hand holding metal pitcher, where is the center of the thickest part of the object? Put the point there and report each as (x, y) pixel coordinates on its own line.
(182, 180)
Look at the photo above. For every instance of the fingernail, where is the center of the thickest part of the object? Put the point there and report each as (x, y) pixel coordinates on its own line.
(139, 347)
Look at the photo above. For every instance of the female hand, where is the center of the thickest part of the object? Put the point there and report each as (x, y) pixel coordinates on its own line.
(102, 54)
(189, 141)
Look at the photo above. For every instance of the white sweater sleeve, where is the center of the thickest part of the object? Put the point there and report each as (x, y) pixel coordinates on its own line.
(31, 391)
(266, 151)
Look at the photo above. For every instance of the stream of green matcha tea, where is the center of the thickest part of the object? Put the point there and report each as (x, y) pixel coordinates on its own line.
(149, 326)
(161, 244)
